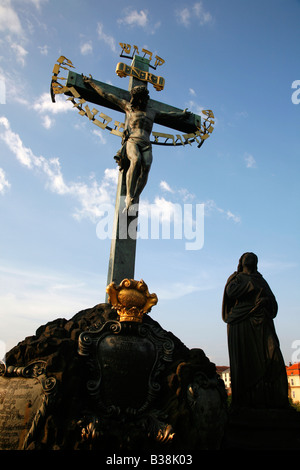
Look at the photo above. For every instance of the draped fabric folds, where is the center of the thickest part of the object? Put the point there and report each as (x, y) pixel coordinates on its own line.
(258, 373)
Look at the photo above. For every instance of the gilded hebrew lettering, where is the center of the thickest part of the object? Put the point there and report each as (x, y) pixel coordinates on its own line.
(118, 126)
(75, 93)
(135, 50)
(88, 112)
(147, 53)
(159, 61)
(208, 113)
(103, 125)
(125, 47)
(156, 136)
(179, 137)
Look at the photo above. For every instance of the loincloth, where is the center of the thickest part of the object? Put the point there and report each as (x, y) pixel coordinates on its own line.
(121, 155)
(143, 145)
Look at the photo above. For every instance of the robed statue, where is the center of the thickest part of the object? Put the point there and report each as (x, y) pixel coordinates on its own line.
(258, 373)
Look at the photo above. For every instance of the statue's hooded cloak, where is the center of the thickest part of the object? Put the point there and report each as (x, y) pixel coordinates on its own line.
(258, 374)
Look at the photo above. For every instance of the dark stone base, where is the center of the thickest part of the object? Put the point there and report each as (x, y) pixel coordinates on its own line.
(256, 429)
(192, 398)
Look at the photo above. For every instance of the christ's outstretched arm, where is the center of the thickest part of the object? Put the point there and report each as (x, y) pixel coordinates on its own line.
(123, 104)
(179, 114)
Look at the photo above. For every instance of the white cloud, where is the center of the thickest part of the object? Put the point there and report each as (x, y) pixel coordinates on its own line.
(197, 12)
(164, 209)
(201, 14)
(16, 34)
(109, 40)
(9, 20)
(194, 107)
(86, 48)
(100, 135)
(44, 49)
(44, 105)
(4, 184)
(165, 186)
(89, 196)
(211, 206)
(47, 121)
(232, 216)
(20, 52)
(11, 25)
(250, 161)
(182, 194)
(15, 87)
(178, 290)
(15, 144)
(135, 18)
(184, 16)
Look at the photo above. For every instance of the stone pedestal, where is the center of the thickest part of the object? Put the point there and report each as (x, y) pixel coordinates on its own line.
(100, 368)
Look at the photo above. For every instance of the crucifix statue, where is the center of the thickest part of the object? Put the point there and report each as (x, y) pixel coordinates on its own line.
(136, 145)
(135, 156)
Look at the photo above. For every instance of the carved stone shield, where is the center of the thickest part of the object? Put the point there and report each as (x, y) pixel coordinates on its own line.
(124, 362)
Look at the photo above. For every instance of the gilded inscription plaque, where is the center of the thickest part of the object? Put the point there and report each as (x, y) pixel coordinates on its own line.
(20, 399)
(25, 396)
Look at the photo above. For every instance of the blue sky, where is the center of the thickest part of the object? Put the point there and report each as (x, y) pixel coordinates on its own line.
(236, 57)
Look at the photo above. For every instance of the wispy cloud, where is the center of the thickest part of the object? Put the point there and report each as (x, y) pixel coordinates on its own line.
(90, 196)
(195, 107)
(20, 53)
(165, 187)
(196, 12)
(178, 290)
(181, 194)
(4, 184)
(249, 160)
(167, 207)
(15, 35)
(16, 31)
(139, 19)
(86, 48)
(44, 49)
(44, 106)
(108, 39)
(135, 18)
(9, 20)
(211, 206)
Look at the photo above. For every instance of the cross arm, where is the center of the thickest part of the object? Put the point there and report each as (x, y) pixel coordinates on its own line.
(167, 115)
(89, 94)
(176, 118)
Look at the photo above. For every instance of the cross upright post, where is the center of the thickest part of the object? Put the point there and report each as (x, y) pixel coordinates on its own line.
(123, 244)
